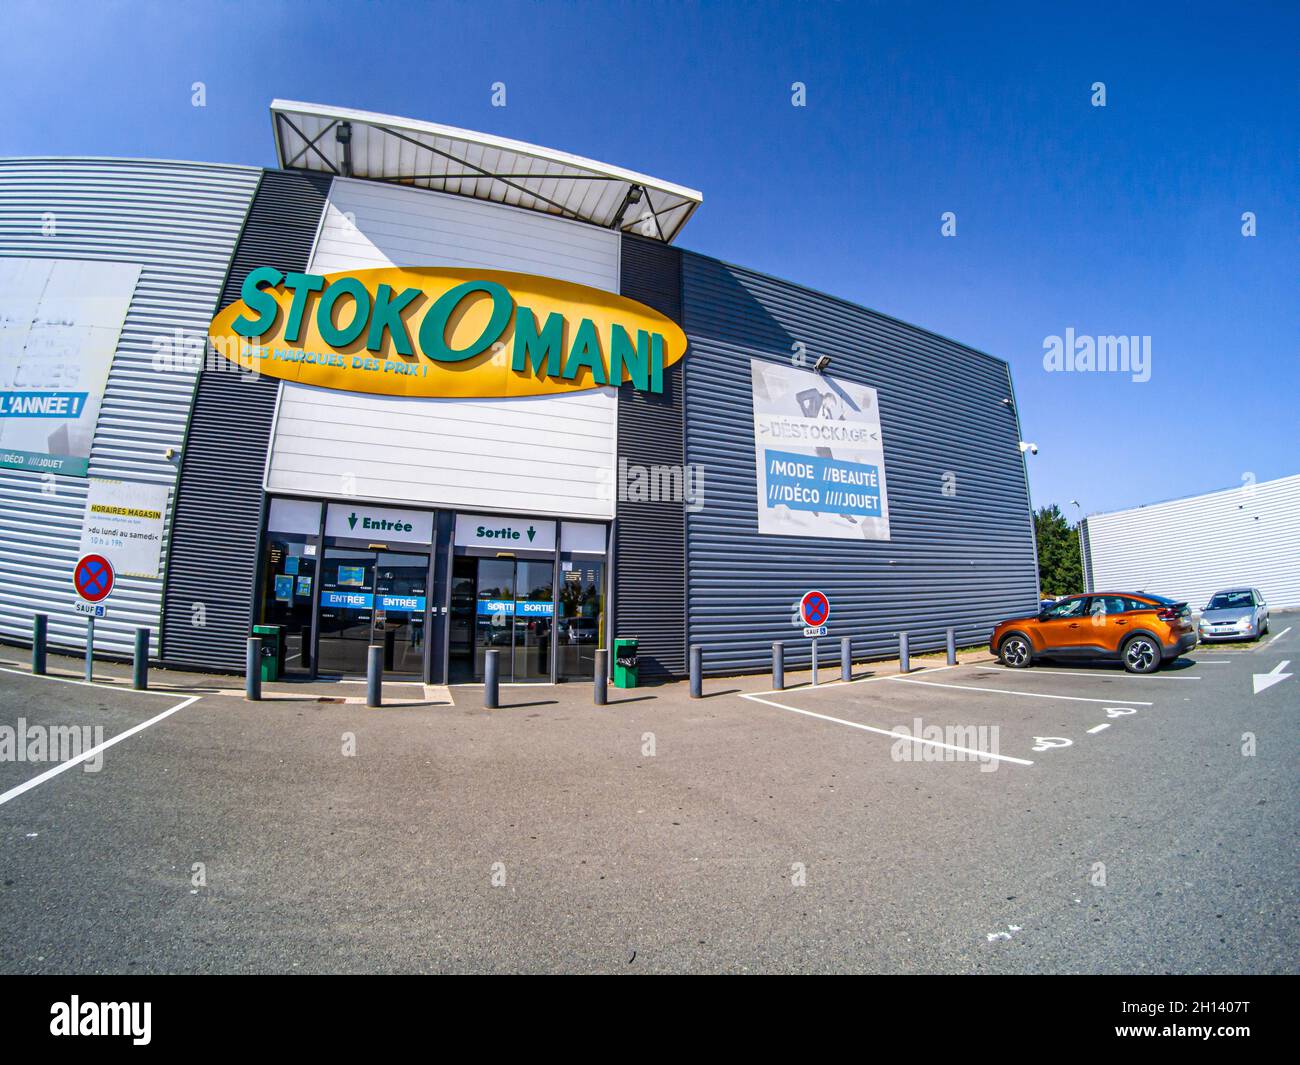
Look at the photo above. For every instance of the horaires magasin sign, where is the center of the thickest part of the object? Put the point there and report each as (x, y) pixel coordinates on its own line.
(442, 331)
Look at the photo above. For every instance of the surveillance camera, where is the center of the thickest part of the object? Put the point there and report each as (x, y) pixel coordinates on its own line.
(1026, 446)
(822, 362)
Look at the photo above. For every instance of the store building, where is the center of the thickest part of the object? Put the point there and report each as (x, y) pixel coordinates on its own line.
(1190, 548)
(448, 393)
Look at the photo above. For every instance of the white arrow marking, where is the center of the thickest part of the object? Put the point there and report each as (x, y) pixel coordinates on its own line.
(1264, 681)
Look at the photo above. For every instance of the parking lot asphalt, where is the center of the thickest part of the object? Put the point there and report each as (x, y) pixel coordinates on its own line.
(1127, 824)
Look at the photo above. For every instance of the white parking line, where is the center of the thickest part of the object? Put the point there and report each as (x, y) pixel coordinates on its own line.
(1098, 728)
(54, 771)
(1089, 673)
(885, 732)
(1027, 695)
(1279, 635)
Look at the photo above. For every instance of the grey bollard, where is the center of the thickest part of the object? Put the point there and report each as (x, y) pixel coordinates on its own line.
(253, 668)
(904, 659)
(90, 649)
(952, 647)
(600, 679)
(140, 661)
(492, 680)
(846, 658)
(778, 665)
(375, 675)
(40, 627)
(697, 671)
(814, 661)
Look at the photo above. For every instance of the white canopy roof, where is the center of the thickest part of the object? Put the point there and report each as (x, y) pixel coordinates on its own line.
(403, 151)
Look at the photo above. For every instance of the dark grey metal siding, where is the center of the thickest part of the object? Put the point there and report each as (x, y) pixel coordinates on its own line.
(213, 562)
(650, 536)
(964, 559)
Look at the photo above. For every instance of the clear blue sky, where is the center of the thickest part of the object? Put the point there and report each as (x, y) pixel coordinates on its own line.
(1117, 220)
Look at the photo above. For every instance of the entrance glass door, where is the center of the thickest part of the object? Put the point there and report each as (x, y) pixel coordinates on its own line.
(371, 597)
(502, 605)
(400, 597)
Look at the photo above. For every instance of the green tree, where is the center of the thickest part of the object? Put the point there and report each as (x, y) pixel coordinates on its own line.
(1060, 571)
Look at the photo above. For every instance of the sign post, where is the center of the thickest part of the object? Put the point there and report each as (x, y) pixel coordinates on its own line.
(815, 612)
(93, 579)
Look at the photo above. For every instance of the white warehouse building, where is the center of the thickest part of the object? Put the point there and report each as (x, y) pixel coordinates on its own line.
(1188, 549)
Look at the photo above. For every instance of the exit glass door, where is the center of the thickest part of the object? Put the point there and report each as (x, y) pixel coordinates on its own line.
(581, 628)
(494, 610)
(506, 606)
(534, 617)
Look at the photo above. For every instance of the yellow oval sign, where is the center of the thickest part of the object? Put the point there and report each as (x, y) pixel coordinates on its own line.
(444, 331)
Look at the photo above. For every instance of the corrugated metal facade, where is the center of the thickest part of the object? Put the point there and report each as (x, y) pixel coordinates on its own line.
(218, 513)
(1188, 549)
(179, 221)
(964, 559)
(650, 533)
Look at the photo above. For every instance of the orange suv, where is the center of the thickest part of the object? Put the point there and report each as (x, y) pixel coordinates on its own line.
(1136, 628)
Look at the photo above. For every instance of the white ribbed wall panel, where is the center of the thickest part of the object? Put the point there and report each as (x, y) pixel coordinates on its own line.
(1188, 549)
(543, 455)
(179, 221)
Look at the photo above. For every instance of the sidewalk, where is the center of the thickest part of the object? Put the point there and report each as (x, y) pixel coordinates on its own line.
(118, 675)
(415, 694)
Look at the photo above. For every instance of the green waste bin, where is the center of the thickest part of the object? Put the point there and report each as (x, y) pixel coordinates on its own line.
(625, 662)
(272, 650)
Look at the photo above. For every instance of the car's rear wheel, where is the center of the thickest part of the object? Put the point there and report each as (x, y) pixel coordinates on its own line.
(1141, 654)
(1016, 652)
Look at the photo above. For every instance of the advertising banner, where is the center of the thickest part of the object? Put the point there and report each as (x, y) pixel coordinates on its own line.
(124, 523)
(60, 322)
(818, 454)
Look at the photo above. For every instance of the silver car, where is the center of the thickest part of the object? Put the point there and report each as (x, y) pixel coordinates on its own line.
(1235, 614)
